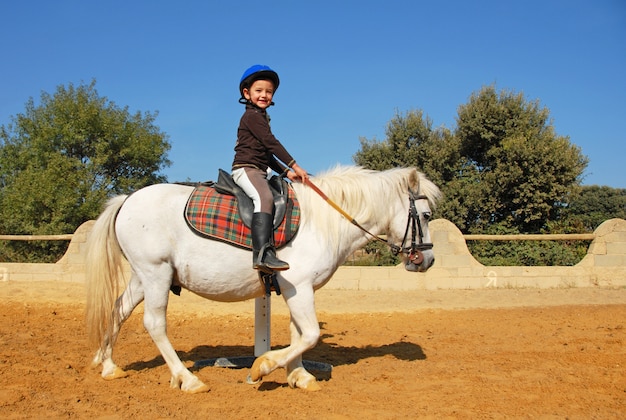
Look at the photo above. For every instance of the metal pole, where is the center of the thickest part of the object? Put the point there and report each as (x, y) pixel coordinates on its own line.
(262, 325)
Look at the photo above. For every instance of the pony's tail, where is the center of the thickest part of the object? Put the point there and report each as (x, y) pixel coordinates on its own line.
(103, 266)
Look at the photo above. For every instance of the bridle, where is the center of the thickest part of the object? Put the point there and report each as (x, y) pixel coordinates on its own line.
(414, 251)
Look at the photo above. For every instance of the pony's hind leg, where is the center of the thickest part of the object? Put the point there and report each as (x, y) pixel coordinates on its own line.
(124, 306)
(155, 322)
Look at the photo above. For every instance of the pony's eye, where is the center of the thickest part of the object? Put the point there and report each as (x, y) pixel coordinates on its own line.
(427, 215)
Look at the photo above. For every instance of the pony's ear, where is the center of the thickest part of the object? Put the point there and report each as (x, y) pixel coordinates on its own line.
(414, 180)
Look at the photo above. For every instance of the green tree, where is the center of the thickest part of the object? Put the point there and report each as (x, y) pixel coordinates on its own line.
(411, 140)
(593, 205)
(522, 173)
(61, 159)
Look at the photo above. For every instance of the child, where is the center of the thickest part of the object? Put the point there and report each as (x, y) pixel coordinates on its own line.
(257, 153)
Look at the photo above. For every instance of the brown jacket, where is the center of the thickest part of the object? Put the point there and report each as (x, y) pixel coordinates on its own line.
(256, 145)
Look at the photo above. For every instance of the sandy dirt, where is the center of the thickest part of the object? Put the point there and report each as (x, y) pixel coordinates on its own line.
(502, 353)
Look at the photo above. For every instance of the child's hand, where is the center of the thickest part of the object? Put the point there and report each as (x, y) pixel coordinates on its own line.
(297, 173)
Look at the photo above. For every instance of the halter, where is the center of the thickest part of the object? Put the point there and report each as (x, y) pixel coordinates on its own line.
(413, 252)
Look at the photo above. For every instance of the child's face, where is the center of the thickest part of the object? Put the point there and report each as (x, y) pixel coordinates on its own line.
(260, 93)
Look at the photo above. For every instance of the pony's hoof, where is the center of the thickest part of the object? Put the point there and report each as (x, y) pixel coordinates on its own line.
(261, 367)
(190, 385)
(307, 384)
(199, 388)
(300, 378)
(250, 381)
(116, 374)
(311, 386)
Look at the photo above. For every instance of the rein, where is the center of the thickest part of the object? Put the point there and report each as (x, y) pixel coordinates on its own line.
(414, 252)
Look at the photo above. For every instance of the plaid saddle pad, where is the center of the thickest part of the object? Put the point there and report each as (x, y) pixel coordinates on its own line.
(215, 216)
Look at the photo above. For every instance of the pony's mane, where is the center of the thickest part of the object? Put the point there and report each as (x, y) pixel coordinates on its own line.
(349, 180)
(362, 193)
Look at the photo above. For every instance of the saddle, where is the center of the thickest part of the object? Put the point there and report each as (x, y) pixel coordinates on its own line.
(226, 185)
(222, 211)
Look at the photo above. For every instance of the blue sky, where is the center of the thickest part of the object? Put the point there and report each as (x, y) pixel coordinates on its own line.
(346, 68)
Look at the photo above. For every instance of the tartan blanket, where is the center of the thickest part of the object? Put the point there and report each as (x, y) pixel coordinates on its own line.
(215, 216)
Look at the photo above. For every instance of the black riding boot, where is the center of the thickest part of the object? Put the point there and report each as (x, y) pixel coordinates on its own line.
(263, 252)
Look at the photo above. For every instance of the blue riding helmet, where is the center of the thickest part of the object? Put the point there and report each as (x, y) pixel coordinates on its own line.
(257, 72)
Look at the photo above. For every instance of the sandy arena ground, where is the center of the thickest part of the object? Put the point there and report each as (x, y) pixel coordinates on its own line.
(500, 353)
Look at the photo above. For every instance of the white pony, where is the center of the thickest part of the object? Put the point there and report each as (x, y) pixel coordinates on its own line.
(149, 230)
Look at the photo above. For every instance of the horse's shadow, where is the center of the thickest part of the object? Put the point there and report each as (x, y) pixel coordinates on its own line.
(326, 352)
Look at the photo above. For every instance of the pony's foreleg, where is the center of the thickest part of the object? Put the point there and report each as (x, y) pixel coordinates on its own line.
(155, 322)
(124, 306)
(297, 375)
(304, 335)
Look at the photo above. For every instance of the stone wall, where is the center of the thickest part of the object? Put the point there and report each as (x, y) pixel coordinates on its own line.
(70, 268)
(454, 268)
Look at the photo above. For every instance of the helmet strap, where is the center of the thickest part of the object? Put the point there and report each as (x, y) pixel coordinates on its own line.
(244, 101)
